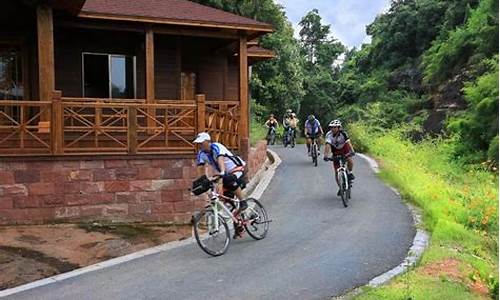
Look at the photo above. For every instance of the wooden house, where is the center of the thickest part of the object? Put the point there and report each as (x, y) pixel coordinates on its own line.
(101, 80)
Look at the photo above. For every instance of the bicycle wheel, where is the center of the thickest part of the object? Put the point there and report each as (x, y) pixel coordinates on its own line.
(315, 155)
(214, 241)
(343, 191)
(257, 223)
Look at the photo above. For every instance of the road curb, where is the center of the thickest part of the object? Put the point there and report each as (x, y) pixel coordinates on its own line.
(261, 180)
(420, 242)
(257, 185)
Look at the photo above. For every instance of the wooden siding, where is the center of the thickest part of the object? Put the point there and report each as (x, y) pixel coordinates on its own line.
(70, 43)
(167, 68)
(232, 89)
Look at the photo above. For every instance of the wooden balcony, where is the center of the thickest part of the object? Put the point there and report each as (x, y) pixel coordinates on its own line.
(85, 126)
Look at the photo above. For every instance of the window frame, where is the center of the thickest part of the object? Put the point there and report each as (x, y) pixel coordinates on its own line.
(110, 55)
(23, 50)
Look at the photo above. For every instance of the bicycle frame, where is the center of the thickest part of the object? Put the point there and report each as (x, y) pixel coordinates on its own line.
(216, 205)
(342, 169)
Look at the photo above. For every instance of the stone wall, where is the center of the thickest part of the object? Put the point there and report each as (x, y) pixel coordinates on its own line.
(257, 156)
(128, 189)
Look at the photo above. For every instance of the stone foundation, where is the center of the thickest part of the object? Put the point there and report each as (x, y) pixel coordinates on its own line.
(123, 189)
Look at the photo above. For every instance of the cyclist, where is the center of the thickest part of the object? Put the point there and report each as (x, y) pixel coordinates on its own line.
(339, 143)
(271, 124)
(292, 122)
(286, 117)
(225, 164)
(312, 129)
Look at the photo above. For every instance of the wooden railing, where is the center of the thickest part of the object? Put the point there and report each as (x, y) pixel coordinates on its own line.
(21, 128)
(81, 126)
(222, 122)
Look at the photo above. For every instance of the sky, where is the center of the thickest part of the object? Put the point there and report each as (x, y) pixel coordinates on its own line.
(347, 18)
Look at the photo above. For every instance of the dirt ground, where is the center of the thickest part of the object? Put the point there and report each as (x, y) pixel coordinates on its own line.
(29, 253)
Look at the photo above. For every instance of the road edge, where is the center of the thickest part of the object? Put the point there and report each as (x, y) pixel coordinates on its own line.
(419, 244)
(257, 185)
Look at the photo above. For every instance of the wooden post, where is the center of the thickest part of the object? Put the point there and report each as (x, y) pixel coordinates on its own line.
(45, 31)
(200, 109)
(56, 125)
(244, 111)
(132, 129)
(150, 76)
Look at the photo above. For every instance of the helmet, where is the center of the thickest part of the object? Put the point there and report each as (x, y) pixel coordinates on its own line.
(293, 115)
(271, 115)
(288, 111)
(335, 123)
(311, 117)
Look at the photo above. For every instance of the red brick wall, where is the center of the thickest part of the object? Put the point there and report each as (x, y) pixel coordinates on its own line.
(256, 157)
(34, 192)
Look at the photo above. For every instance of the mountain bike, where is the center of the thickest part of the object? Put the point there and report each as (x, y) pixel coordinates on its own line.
(345, 185)
(271, 136)
(289, 138)
(211, 226)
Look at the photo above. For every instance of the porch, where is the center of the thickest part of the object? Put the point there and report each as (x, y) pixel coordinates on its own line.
(119, 87)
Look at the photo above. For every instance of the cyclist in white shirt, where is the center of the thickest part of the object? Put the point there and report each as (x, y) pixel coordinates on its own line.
(225, 164)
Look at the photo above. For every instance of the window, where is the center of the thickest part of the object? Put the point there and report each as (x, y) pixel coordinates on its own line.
(11, 76)
(108, 76)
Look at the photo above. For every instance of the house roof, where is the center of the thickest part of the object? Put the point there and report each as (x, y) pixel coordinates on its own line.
(179, 12)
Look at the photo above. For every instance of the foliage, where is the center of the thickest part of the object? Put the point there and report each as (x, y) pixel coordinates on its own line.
(320, 51)
(477, 127)
(467, 44)
(460, 209)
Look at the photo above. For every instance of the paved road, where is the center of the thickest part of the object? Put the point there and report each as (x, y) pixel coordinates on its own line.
(315, 249)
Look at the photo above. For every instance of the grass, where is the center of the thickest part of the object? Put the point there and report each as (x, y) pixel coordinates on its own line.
(258, 132)
(460, 210)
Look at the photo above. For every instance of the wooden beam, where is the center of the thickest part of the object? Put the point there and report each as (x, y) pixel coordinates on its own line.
(57, 130)
(200, 122)
(45, 32)
(258, 28)
(150, 73)
(197, 32)
(100, 25)
(132, 130)
(243, 97)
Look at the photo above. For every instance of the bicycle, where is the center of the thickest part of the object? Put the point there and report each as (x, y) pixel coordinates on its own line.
(314, 150)
(345, 185)
(271, 136)
(212, 223)
(289, 138)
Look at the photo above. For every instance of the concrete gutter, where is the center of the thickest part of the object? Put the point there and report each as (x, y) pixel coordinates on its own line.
(256, 188)
(420, 242)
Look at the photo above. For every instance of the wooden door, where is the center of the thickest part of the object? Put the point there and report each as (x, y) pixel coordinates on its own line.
(188, 85)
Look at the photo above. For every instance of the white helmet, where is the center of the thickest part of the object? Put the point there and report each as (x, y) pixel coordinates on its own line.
(335, 123)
